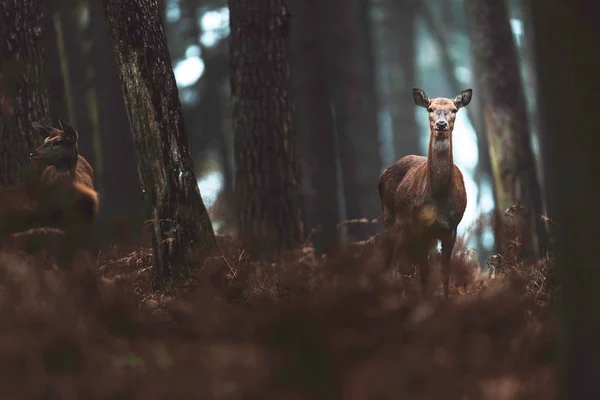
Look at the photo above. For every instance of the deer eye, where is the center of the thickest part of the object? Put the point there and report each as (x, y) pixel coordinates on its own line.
(430, 109)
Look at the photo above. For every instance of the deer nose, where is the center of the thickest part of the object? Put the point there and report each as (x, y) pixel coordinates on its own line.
(31, 155)
(441, 125)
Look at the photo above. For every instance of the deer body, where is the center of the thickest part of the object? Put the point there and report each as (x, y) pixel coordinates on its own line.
(425, 197)
(62, 196)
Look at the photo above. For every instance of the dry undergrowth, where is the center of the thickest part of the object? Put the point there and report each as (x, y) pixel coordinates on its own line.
(308, 327)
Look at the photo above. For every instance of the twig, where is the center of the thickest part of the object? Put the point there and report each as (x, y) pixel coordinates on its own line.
(357, 221)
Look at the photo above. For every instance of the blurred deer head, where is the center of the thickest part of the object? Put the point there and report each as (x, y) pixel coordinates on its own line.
(59, 148)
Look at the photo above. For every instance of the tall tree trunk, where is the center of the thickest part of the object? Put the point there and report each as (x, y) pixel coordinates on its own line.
(528, 71)
(513, 164)
(74, 70)
(52, 42)
(180, 221)
(23, 96)
(401, 62)
(568, 107)
(123, 212)
(212, 120)
(314, 121)
(350, 67)
(267, 171)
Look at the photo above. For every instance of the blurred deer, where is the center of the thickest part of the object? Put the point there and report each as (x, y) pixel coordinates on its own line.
(60, 153)
(424, 198)
(61, 196)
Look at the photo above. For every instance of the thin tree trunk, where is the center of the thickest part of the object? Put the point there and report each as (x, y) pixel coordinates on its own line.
(226, 141)
(23, 96)
(212, 120)
(528, 69)
(180, 221)
(568, 105)
(267, 171)
(352, 83)
(513, 164)
(401, 28)
(123, 212)
(73, 65)
(314, 121)
(52, 44)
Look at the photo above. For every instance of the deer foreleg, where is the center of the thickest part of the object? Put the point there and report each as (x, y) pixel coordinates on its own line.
(448, 242)
(418, 255)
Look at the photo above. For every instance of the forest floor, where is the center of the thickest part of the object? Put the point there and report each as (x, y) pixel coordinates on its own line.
(308, 327)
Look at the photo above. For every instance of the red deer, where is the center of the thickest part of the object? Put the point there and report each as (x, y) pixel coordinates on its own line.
(60, 153)
(62, 196)
(424, 198)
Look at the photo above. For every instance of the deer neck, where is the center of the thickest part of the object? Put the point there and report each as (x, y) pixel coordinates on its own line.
(68, 167)
(440, 164)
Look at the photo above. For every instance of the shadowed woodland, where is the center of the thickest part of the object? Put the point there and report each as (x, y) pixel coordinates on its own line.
(254, 199)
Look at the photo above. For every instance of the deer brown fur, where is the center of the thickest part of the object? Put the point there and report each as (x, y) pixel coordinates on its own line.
(60, 195)
(424, 198)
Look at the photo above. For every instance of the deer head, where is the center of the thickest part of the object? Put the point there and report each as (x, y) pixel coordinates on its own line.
(59, 148)
(442, 111)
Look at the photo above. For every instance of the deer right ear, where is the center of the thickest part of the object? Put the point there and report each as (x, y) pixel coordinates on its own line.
(43, 130)
(464, 98)
(70, 132)
(421, 98)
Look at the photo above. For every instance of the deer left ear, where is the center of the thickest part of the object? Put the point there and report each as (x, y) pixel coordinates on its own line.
(43, 130)
(70, 132)
(464, 98)
(421, 98)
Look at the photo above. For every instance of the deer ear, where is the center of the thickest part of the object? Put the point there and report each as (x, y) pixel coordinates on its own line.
(464, 98)
(43, 130)
(70, 132)
(421, 98)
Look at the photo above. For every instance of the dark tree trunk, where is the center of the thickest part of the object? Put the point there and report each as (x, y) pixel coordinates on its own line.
(400, 26)
(180, 221)
(123, 211)
(505, 112)
(212, 119)
(76, 85)
(567, 38)
(23, 96)
(52, 42)
(267, 171)
(314, 120)
(350, 67)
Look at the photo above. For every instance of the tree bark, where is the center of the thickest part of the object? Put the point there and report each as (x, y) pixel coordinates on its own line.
(123, 212)
(314, 121)
(505, 113)
(567, 58)
(267, 171)
(23, 96)
(350, 69)
(180, 221)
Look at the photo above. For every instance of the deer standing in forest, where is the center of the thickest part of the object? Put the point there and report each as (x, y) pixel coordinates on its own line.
(61, 196)
(424, 198)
